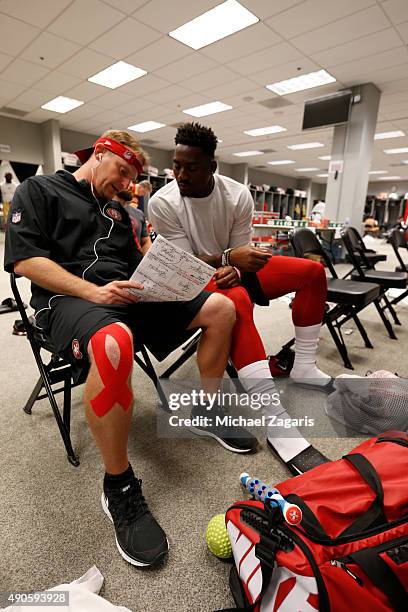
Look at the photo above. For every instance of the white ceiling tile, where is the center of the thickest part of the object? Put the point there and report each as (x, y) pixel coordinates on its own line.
(189, 101)
(231, 89)
(158, 54)
(83, 26)
(382, 77)
(146, 84)
(38, 13)
(397, 10)
(403, 30)
(285, 71)
(373, 63)
(167, 16)
(40, 115)
(57, 83)
(134, 35)
(51, 48)
(272, 56)
(86, 63)
(184, 68)
(342, 31)
(170, 93)
(356, 49)
(30, 100)
(5, 60)
(85, 91)
(86, 111)
(112, 99)
(24, 72)
(108, 116)
(264, 9)
(249, 40)
(211, 78)
(126, 6)
(10, 90)
(15, 35)
(396, 86)
(152, 113)
(313, 14)
(136, 105)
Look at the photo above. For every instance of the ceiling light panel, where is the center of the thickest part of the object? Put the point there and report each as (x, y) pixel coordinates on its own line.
(116, 75)
(396, 151)
(389, 178)
(322, 175)
(281, 162)
(248, 153)
(325, 157)
(305, 145)
(383, 135)
(378, 172)
(207, 109)
(306, 169)
(302, 82)
(146, 126)
(62, 104)
(221, 21)
(271, 129)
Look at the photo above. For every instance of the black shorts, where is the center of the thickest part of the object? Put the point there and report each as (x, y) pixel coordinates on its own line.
(161, 326)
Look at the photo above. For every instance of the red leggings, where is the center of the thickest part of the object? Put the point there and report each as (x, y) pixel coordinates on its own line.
(279, 276)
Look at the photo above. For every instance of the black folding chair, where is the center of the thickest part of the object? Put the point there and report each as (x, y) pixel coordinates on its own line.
(398, 241)
(349, 297)
(386, 280)
(367, 258)
(56, 374)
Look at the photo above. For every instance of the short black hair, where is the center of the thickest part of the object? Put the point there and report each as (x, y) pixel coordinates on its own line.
(196, 135)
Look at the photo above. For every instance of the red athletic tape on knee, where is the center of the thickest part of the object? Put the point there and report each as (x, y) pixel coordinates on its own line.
(115, 381)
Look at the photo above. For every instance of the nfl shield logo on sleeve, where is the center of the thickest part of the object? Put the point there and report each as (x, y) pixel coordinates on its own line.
(16, 216)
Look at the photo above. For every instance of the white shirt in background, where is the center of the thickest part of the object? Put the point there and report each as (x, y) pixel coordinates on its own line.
(204, 226)
(7, 191)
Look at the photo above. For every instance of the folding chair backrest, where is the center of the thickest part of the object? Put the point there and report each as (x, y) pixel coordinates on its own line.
(357, 240)
(398, 241)
(305, 242)
(354, 251)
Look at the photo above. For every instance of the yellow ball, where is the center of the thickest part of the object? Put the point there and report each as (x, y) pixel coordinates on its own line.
(217, 538)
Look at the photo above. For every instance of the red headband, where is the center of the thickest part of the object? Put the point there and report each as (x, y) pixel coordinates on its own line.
(116, 147)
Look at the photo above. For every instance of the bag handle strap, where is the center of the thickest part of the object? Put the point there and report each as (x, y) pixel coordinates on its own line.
(375, 514)
(380, 573)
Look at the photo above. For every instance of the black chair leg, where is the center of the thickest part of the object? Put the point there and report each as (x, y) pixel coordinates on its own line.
(384, 319)
(341, 347)
(391, 309)
(66, 413)
(35, 393)
(362, 330)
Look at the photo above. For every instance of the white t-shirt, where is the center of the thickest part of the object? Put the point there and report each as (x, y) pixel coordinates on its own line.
(204, 226)
(7, 191)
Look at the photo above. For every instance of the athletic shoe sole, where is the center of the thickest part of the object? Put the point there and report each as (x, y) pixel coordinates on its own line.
(317, 459)
(130, 560)
(209, 434)
(327, 388)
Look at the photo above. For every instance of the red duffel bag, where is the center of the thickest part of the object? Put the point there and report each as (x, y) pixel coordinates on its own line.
(350, 551)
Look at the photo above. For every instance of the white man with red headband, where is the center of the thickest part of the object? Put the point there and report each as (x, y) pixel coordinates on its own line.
(75, 243)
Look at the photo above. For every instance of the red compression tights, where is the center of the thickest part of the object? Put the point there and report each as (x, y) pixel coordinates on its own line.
(279, 276)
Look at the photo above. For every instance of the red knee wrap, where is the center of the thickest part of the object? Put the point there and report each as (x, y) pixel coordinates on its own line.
(115, 381)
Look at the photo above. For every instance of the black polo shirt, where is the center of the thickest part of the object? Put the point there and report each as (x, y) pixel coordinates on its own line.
(58, 217)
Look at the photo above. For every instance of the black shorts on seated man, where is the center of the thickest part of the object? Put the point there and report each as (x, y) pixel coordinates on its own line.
(75, 243)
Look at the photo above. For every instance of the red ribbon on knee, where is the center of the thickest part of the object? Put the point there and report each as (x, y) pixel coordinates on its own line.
(115, 380)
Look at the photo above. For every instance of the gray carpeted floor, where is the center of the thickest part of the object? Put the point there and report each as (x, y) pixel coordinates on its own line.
(52, 526)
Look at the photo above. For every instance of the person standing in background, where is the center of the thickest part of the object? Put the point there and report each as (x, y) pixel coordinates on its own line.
(7, 189)
(142, 191)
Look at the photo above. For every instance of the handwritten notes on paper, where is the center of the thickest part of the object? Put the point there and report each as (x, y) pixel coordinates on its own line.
(170, 274)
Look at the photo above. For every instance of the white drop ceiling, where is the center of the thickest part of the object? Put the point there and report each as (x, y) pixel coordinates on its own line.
(50, 48)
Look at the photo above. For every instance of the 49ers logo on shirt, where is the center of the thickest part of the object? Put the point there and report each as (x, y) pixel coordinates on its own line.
(114, 214)
(76, 350)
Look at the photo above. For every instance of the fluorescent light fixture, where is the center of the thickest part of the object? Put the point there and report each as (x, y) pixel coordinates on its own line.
(306, 169)
(248, 153)
(62, 104)
(207, 109)
(272, 129)
(396, 151)
(302, 82)
(306, 145)
(383, 135)
(146, 126)
(405, 161)
(116, 75)
(323, 175)
(389, 178)
(378, 172)
(281, 162)
(325, 157)
(217, 23)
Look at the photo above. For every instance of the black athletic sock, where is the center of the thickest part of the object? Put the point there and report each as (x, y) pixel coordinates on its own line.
(115, 481)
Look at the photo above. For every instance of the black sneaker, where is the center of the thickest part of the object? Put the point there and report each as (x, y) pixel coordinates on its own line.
(304, 461)
(235, 439)
(139, 538)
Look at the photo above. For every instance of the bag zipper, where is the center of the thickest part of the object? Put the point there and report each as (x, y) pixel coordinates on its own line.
(343, 566)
